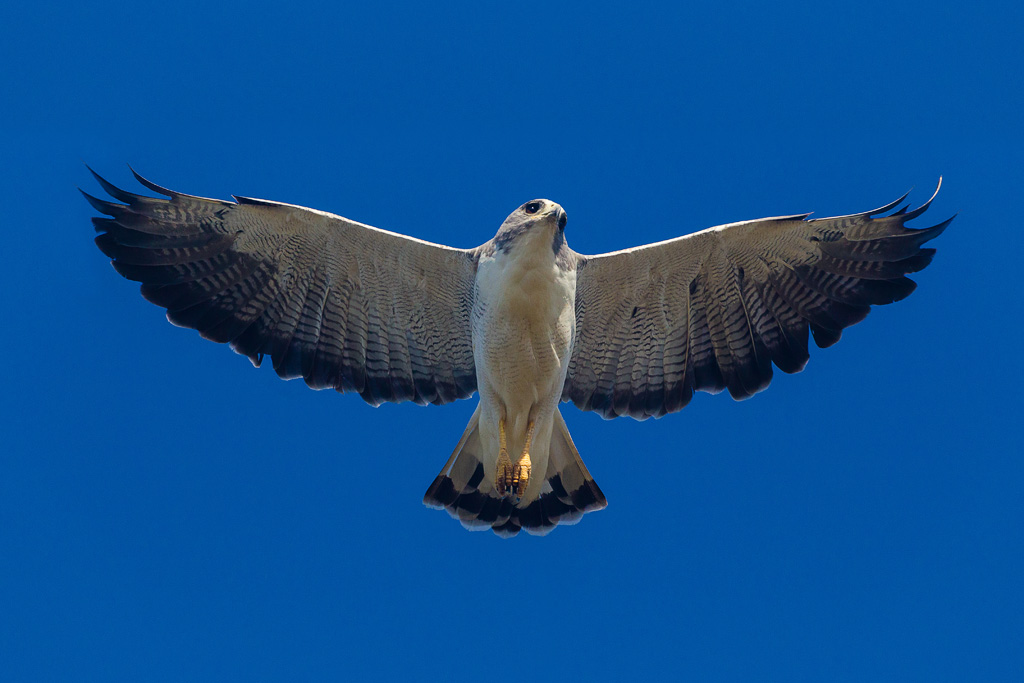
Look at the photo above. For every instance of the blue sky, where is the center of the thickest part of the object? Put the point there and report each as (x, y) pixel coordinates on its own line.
(169, 513)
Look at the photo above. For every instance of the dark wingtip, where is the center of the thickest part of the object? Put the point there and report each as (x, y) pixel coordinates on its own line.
(873, 212)
(928, 234)
(101, 205)
(910, 215)
(151, 185)
(919, 261)
(888, 207)
(107, 244)
(111, 189)
(941, 227)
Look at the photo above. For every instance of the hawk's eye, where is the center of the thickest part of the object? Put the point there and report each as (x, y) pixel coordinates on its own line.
(532, 207)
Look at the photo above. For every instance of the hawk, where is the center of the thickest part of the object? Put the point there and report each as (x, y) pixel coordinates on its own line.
(522, 319)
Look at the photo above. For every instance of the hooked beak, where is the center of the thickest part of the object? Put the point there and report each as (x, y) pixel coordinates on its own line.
(561, 218)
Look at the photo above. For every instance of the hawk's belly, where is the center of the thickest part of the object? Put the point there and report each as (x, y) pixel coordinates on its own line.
(523, 330)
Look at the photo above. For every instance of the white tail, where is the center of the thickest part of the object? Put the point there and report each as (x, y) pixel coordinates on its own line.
(461, 488)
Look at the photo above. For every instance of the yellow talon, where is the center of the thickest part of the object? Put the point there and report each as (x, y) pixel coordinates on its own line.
(503, 472)
(508, 477)
(523, 468)
(521, 475)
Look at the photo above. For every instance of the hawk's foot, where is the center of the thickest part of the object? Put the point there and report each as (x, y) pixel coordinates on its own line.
(509, 478)
(503, 473)
(521, 475)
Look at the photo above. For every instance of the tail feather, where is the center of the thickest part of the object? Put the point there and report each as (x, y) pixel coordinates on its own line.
(458, 472)
(568, 491)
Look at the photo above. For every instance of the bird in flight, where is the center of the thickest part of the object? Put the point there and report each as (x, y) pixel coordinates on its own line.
(522, 319)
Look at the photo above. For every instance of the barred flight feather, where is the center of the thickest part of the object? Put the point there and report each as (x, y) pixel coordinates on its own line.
(327, 299)
(755, 293)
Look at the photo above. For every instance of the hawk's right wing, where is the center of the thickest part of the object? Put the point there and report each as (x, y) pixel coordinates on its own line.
(341, 304)
(714, 310)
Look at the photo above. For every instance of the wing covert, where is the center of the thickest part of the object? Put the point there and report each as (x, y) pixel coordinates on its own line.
(341, 304)
(718, 308)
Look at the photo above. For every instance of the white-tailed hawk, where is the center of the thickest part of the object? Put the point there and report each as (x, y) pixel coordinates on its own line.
(522, 319)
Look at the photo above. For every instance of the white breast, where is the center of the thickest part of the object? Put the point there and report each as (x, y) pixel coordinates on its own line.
(523, 324)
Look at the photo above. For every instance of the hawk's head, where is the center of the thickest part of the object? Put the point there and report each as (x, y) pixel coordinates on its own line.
(534, 218)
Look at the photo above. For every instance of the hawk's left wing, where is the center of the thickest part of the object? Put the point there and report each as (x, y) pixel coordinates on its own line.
(717, 308)
(341, 304)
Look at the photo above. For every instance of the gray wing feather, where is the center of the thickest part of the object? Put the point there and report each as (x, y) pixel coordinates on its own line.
(340, 304)
(717, 309)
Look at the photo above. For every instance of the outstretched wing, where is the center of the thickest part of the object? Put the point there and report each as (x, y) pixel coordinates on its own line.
(717, 308)
(341, 304)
